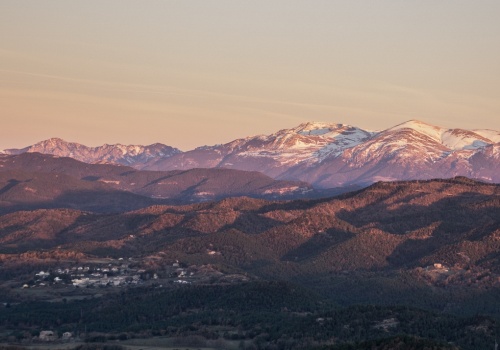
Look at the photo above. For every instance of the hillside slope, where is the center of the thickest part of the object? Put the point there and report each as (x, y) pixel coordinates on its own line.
(386, 226)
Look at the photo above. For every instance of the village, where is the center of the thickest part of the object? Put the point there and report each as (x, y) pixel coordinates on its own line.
(118, 273)
(441, 275)
(102, 278)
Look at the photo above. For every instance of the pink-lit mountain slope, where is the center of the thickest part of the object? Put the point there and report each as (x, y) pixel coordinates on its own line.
(412, 150)
(131, 155)
(333, 155)
(271, 154)
(328, 155)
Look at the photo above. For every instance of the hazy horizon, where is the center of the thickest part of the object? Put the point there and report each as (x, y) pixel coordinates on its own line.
(194, 73)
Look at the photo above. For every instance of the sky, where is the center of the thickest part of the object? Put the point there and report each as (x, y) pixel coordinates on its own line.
(192, 73)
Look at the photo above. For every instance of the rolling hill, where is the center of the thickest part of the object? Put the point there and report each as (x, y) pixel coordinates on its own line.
(386, 226)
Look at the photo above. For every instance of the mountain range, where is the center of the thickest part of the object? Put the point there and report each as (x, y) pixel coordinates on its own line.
(131, 155)
(323, 155)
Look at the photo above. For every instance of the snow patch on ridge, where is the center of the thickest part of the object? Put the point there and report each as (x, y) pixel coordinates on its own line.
(453, 139)
(489, 134)
(434, 132)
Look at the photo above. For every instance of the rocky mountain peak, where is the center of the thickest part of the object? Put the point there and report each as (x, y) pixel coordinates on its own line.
(133, 155)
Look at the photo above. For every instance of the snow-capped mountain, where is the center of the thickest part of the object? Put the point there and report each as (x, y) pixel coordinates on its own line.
(271, 154)
(130, 155)
(412, 150)
(325, 155)
(331, 155)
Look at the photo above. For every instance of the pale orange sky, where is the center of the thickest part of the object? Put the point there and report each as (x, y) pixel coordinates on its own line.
(192, 73)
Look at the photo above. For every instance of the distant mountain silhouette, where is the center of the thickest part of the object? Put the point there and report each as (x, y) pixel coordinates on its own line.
(34, 180)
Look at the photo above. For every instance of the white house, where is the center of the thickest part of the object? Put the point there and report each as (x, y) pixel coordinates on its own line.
(47, 336)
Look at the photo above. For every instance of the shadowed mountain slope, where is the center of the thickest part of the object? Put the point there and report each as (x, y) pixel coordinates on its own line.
(36, 190)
